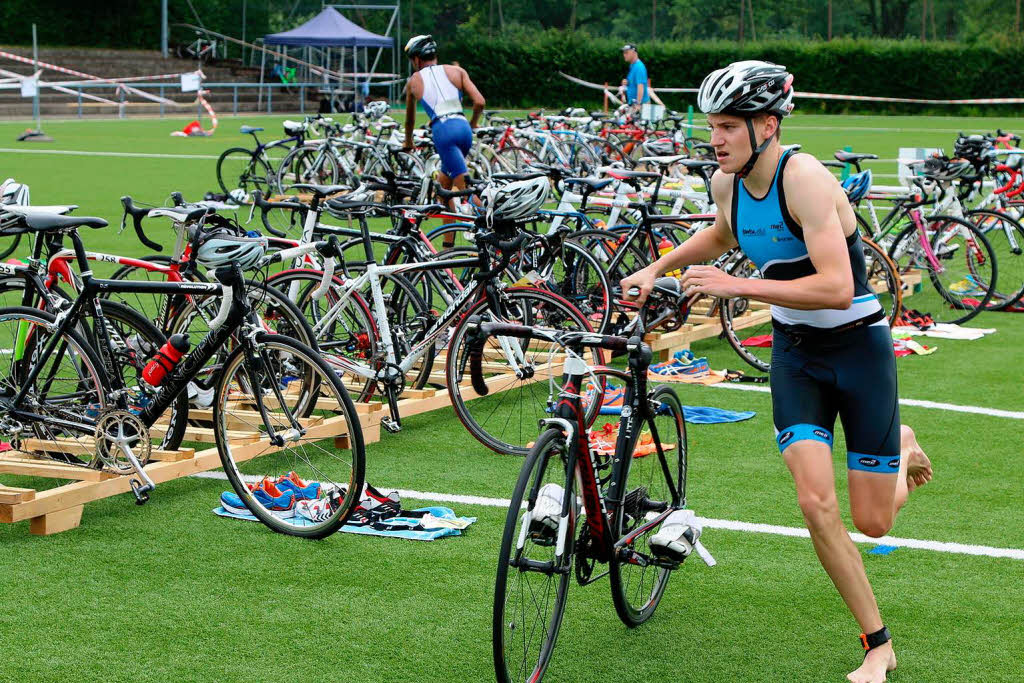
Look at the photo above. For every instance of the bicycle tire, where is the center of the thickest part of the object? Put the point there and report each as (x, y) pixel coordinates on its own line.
(509, 433)
(314, 165)
(135, 341)
(997, 227)
(73, 355)
(946, 306)
(339, 470)
(10, 247)
(730, 310)
(361, 349)
(514, 658)
(239, 169)
(635, 598)
(884, 279)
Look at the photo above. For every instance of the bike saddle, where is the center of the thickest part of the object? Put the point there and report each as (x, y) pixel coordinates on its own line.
(42, 222)
(667, 160)
(322, 190)
(590, 184)
(853, 157)
(245, 130)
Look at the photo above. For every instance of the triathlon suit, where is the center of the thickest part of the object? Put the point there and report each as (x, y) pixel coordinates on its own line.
(825, 362)
(448, 126)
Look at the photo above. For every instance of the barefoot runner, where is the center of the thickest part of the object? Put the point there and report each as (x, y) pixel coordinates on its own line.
(832, 353)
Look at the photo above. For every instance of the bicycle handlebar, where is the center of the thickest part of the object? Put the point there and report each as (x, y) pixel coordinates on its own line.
(265, 207)
(137, 214)
(479, 333)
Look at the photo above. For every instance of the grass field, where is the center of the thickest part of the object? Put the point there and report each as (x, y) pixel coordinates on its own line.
(171, 592)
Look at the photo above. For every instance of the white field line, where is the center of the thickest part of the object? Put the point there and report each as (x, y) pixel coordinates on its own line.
(83, 153)
(916, 403)
(729, 524)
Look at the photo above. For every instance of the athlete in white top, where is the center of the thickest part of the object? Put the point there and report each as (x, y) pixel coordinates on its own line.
(440, 88)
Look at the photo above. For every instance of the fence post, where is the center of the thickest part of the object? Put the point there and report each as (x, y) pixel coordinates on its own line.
(235, 100)
(302, 99)
(606, 97)
(689, 121)
(161, 101)
(79, 102)
(270, 94)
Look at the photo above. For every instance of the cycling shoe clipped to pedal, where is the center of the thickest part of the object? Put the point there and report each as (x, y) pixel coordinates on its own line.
(678, 537)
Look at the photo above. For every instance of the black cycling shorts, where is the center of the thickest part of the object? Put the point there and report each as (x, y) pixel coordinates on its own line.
(851, 374)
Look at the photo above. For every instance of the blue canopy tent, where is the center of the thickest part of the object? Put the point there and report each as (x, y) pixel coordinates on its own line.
(327, 39)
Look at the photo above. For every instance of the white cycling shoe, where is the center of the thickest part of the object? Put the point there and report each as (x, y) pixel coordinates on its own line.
(677, 537)
(547, 510)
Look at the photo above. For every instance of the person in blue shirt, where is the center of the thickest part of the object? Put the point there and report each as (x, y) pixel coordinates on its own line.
(636, 83)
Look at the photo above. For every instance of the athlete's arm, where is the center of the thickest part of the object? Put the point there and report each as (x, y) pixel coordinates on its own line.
(705, 245)
(810, 193)
(410, 109)
(470, 89)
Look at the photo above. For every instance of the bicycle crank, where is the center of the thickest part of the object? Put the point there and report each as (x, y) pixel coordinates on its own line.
(123, 446)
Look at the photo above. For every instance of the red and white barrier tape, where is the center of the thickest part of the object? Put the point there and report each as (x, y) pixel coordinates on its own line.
(832, 96)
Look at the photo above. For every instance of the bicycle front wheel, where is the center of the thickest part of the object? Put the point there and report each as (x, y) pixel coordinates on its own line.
(534, 564)
(281, 391)
(651, 482)
(523, 377)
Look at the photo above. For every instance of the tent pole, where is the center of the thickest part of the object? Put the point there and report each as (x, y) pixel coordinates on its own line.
(263, 68)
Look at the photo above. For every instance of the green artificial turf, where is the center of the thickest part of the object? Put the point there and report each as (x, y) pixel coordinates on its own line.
(170, 591)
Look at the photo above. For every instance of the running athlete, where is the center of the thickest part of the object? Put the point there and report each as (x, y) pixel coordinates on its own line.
(440, 87)
(831, 350)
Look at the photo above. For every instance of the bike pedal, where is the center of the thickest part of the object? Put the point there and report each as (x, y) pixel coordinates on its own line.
(390, 425)
(141, 491)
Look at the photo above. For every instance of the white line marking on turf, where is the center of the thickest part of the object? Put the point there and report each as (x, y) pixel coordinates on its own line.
(728, 524)
(917, 403)
(83, 153)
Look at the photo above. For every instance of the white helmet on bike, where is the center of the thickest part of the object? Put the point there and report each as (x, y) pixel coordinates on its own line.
(12, 192)
(519, 199)
(221, 246)
(375, 110)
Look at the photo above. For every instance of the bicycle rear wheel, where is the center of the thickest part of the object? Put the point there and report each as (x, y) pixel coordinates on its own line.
(1006, 236)
(884, 279)
(652, 482)
(238, 169)
(316, 471)
(963, 276)
(750, 336)
(71, 386)
(534, 566)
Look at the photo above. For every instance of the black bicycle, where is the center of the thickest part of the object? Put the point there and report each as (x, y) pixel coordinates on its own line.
(627, 492)
(274, 397)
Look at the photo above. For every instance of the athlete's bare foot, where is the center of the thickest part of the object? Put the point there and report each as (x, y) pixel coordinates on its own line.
(919, 467)
(877, 663)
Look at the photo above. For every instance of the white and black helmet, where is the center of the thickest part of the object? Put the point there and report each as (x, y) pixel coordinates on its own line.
(377, 109)
(747, 88)
(424, 47)
(221, 246)
(519, 199)
(13, 192)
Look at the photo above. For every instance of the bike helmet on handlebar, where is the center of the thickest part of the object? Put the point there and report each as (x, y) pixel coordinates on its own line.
(424, 47)
(857, 186)
(516, 200)
(747, 89)
(221, 246)
(377, 109)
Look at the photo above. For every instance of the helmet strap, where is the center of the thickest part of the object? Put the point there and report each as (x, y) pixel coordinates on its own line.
(756, 149)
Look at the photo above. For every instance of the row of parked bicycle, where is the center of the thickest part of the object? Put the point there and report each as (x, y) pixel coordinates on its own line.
(376, 302)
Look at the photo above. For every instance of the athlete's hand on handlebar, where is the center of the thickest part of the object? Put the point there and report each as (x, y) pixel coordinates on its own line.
(638, 286)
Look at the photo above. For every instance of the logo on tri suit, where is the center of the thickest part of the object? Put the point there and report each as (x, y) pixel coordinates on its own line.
(785, 436)
(753, 232)
(868, 462)
(894, 463)
(822, 434)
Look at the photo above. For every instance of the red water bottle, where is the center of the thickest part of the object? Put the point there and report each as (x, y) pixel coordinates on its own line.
(165, 359)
